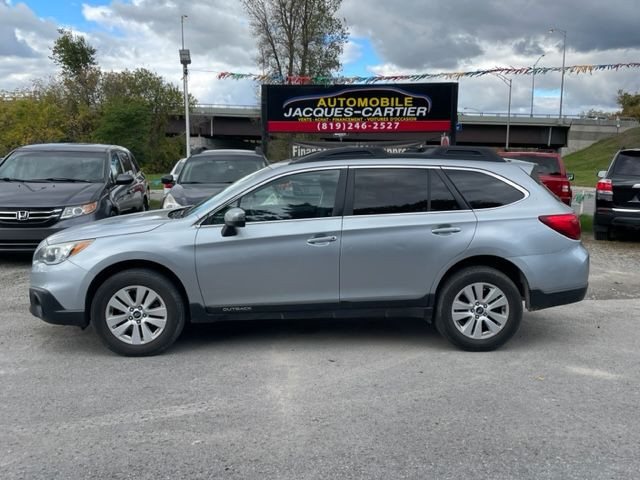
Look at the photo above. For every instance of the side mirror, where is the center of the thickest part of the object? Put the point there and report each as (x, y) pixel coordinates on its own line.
(167, 180)
(234, 218)
(124, 179)
(602, 173)
(570, 177)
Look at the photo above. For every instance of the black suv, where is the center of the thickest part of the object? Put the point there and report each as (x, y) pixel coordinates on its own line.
(618, 195)
(48, 187)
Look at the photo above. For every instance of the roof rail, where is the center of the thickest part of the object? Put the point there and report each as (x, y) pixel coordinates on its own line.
(342, 153)
(453, 152)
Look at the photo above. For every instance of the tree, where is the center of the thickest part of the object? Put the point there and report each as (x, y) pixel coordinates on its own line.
(629, 103)
(297, 37)
(73, 54)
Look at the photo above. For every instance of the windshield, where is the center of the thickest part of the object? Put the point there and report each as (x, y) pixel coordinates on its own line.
(628, 163)
(546, 165)
(218, 169)
(54, 166)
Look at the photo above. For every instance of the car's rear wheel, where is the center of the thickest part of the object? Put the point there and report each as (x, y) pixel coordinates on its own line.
(479, 309)
(138, 312)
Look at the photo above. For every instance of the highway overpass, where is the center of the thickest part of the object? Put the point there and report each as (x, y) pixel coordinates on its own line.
(226, 126)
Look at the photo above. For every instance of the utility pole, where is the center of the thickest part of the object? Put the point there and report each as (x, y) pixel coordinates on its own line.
(508, 83)
(185, 59)
(533, 81)
(564, 51)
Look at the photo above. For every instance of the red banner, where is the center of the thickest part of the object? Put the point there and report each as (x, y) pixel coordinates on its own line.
(359, 126)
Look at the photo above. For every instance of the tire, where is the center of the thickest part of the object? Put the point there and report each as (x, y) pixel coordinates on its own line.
(484, 326)
(145, 205)
(150, 325)
(601, 234)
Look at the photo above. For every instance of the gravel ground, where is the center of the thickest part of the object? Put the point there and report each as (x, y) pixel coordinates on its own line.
(330, 399)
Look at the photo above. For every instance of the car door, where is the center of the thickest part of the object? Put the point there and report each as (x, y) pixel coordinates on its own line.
(119, 193)
(402, 225)
(287, 255)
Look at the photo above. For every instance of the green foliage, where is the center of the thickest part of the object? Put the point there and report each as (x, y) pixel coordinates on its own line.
(586, 223)
(73, 54)
(297, 37)
(586, 163)
(85, 104)
(629, 103)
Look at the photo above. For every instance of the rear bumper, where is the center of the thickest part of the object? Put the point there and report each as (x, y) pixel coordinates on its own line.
(46, 307)
(539, 300)
(617, 217)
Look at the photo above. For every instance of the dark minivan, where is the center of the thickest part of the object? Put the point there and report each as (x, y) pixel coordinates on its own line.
(618, 195)
(45, 188)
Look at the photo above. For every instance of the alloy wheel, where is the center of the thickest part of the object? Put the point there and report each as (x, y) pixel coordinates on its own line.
(480, 310)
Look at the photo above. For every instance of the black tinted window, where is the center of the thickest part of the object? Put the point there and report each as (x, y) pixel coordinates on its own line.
(628, 164)
(390, 190)
(303, 195)
(483, 191)
(441, 197)
(126, 162)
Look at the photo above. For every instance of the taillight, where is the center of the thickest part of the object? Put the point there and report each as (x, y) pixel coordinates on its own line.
(567, 224)
(565, 187)
(604, 185)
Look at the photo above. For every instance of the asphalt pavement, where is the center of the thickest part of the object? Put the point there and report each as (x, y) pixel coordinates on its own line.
(385, 399)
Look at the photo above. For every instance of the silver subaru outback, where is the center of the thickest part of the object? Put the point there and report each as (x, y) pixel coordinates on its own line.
(457, 236)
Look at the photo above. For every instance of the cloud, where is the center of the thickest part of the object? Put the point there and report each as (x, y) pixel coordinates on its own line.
(412, 36)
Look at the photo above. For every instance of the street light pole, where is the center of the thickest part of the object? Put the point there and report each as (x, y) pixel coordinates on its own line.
(533, 81)
(185, 59)
(508, 83)
(564, 51)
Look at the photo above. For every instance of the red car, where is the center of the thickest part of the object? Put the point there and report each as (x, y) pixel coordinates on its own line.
(551, 171)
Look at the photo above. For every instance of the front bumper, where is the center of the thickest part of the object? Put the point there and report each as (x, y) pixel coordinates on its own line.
(26, 239)
(44, 305)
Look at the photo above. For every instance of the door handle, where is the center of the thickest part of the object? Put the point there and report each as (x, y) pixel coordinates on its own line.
(445, 230)
(322, 240)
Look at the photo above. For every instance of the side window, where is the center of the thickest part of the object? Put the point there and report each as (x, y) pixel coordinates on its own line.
(442, 200)
(116, 166)
(390, 190)
(483, 191)
(126, 162)
(298, 196)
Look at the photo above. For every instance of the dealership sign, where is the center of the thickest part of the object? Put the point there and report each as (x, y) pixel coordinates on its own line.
(427, 107)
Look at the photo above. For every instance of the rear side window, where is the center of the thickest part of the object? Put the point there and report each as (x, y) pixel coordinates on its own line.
(628, 163)
(483, 191)
(379, 191)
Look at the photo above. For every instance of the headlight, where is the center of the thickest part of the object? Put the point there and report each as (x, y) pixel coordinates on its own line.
(170, 202)
(79, 210)
(59, 252)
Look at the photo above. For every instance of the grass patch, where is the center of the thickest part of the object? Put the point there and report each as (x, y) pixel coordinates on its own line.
(586, 223)
(155, 204)
(586, 163)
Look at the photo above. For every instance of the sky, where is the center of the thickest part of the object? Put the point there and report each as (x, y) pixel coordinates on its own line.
(385, 37)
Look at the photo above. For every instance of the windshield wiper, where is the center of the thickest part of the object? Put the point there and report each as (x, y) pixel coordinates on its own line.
(59, 179)
(9, 179)
(186, 183)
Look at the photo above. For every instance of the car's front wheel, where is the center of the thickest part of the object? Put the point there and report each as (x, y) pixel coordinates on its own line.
(138, 312)
(479, 309)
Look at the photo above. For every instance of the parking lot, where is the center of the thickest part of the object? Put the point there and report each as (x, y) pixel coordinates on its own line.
(330, 399)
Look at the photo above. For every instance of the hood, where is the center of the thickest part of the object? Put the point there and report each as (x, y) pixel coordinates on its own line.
(120, 225)
(192, 193)
(47, 194)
